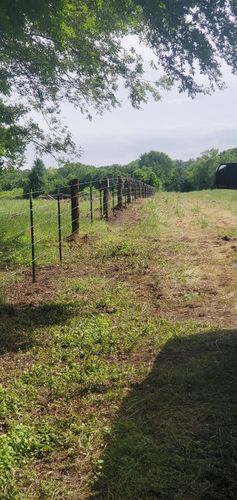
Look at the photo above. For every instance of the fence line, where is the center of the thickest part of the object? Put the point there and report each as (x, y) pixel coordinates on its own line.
(105, 198)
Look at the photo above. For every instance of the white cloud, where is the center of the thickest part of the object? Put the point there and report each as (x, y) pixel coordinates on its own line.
(179, 126)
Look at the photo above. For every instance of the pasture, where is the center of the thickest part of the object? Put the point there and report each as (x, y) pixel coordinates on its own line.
(118, 368)
(15, 236)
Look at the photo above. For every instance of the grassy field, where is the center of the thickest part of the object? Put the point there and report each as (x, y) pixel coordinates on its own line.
(15, 235)
(118, 369)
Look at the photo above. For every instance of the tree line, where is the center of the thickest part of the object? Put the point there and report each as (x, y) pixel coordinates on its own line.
(155, 168)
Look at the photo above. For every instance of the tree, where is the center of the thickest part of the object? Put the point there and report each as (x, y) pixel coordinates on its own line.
(11, 178)
(162, 166)
(182, 179)
(36, 178)
(66, 49)
(146, 174)
(228, 156)
(202, 170)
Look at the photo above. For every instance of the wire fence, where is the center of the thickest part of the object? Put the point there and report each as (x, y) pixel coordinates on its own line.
(35, 228)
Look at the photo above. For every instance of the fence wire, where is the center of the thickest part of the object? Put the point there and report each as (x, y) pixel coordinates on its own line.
(35, 228)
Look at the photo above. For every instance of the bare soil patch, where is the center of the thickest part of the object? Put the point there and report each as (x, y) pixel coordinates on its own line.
(192, 271)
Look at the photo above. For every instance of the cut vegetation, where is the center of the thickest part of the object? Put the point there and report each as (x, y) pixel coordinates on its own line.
(118, 369)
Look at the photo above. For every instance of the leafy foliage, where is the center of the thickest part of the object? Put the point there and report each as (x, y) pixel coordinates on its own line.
(199, 173)
(37, 177)
(61, 49)
(162, 166)
(154, 168)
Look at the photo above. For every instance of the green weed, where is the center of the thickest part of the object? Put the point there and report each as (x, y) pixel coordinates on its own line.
(104, 393)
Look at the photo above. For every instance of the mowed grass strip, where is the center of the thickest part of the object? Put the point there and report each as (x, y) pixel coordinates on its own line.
(113, 388)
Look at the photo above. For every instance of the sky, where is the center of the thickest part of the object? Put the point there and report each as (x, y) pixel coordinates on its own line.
(179, 126)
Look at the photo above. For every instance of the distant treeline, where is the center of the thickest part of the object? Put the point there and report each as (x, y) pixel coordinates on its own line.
(154, 168)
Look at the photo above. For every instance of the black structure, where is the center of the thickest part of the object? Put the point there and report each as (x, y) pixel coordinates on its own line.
(226, 176)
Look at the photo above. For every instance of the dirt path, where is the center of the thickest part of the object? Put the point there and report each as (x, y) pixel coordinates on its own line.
(106, 351)
(191, 271)
(193, 274)
(176, 430)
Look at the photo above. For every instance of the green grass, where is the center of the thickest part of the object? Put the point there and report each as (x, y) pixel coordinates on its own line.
(175, 435)
(105, 392)
(222, 198)
(15, 234)
(73, 352)
(8, 195)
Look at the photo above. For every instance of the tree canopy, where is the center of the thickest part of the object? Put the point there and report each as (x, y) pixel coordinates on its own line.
(172, 175)
(74, 50)
(36, 178)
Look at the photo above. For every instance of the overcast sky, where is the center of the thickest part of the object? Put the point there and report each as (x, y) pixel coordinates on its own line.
(177, 125)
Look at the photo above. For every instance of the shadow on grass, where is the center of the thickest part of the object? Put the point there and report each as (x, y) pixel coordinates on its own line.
(175, 436)
(17, 324)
